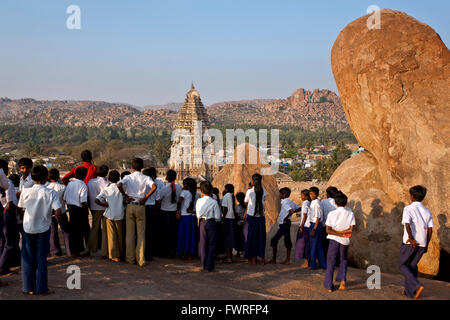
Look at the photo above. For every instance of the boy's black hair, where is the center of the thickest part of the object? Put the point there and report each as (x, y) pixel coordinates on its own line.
(151, 172)
(4, 166)
(25, 162)
(240, 197)
(340, 199)
(123, 174)
(206, 187)
(102, 171)
(331, 192)
(305, 192)
(86, 156)
(15, 179)
(53, 174)
(81, 173)
(114, 176)
(315, 190)
(418, 193)
(285, 192)
(137, 164)
(39, 173)
(216, 191)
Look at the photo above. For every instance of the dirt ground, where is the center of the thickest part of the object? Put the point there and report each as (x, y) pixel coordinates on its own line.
(178, 279)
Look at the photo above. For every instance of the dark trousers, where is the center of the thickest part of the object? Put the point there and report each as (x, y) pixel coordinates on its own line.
(86, 227)
(335, 249)
(325, 241)
(55, 246)
(171, 232)
(208, 243)
(256, 237)
(76, 227)
(316, 248)
(9, 240)
(283, 231)
(34, 262)
(407, 262)
(151, 229)
(63, 222)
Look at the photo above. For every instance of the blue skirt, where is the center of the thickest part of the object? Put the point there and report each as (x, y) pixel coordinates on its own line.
(256, 238)
(187, 235)
(228, 233)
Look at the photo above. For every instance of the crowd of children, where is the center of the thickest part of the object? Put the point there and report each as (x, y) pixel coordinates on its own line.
(135, 216)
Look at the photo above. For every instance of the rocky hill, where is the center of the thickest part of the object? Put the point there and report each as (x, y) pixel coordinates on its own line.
(303, 109)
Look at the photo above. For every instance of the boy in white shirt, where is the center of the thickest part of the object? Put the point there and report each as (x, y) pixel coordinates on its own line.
(208, 213)
(339, 226)
(302, 249)
(111, 199)
(9, 234)
(25, 165)
(418, 229)
(327, 206)
(134, 188)
(75, 196)
(288, 208)
(95, 186)
(55, 247)
(39, 203)
(315, 230)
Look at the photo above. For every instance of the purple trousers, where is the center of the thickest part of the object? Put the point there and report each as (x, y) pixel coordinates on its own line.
(9, 240)
(334, 249)
(55, 246)
(302, 244)
(316, 248)
(208, 243)
(407, 262)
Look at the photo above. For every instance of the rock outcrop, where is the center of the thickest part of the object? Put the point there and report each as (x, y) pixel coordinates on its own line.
(394, 86)
(239, 173)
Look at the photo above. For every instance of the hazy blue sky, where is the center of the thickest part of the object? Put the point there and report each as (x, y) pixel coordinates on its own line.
(147, 52)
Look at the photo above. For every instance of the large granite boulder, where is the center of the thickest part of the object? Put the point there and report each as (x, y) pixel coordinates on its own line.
(394, 85)
(239, 173)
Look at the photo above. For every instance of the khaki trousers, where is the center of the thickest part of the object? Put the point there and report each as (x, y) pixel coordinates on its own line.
(135, 234)
(97, 216)
(114, 231)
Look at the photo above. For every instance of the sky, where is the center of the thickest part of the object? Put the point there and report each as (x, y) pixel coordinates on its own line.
(148, 52)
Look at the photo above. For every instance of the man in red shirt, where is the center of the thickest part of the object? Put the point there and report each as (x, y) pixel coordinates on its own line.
(86, 156)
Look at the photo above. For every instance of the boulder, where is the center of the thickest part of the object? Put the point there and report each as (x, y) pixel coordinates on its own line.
(239, 174)
(394, 86)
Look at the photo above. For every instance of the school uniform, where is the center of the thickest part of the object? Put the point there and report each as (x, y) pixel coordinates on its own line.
(256, 238)
(55, 246)
(302, 246)
(339, 220)
(316, 250)
(95, 186)
(74, 195)
(23, 184)
(284, 227)
(420, 219)
(135, 186)
(239, 228)
(208, 212)
(9, 233)
(114, 215)
(38, 202)
(153, 225)
(229, 221)
(187, 233)
(327, 206)
(169, 213)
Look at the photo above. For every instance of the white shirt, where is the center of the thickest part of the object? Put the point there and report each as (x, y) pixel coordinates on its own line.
(38, 202)
(95, 186)
(316, 211)
(151, 201)
(207, 208)
(187, 197)
(114, 198)
(3, 180)
(136, 185)
(340, 219)
(306, 211)
(327, 206)
(10, 194)
(59, 188)
(76, 193)
(26, 183)
(166, 197)
(286, 206)
(250, 198)
(419, 219)
(227, 202)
